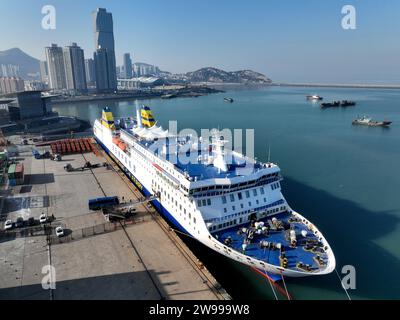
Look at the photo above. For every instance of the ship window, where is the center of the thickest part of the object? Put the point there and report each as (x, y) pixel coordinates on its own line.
(199, 203)
(232, 197)
(262, 190)
(257, 201)
(265, 199)
(223, 199)
(233, 208)
(225, 210)
(249, 203)
(247, 194)
(255, 192)
(241, 205)
(194, 219)
(204, 202)
(240, 195)
(209, 202)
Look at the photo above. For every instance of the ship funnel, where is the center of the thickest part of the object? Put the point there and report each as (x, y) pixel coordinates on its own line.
(147, 118)
(107, 118)
(138, 118)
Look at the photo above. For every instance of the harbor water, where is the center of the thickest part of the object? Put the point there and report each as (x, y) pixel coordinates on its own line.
(344, 178)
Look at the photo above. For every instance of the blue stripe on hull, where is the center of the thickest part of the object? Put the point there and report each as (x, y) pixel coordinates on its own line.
(160, 208)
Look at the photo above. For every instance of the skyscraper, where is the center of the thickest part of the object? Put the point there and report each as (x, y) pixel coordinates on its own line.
(90, 72)
(44, 73)
(75, 74)
(127, 71)
(55, 65)
(104, 56)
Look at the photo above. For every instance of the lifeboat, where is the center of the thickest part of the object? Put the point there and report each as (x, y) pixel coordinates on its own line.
(122, 146)
(116, 140)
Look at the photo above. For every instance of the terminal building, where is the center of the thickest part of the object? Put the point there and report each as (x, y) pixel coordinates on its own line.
(24, 105)
(139, 83)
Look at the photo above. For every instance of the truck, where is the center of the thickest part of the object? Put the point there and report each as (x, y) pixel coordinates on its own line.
(99, 203)
(38, 155)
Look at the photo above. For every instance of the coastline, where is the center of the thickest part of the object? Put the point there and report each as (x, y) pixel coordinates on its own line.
(337, 85)
(189, 91)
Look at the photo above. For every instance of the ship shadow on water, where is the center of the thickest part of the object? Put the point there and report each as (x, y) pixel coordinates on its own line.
(350, 230)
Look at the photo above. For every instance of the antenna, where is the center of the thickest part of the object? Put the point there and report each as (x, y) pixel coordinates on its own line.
(269, 153)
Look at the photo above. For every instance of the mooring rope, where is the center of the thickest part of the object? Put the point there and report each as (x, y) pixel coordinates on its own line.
(341, 284)
(284, 285)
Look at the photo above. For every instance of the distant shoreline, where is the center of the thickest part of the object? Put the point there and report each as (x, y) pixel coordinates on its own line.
(337, 85)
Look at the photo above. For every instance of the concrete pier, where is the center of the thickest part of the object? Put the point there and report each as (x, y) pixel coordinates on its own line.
(141, 260)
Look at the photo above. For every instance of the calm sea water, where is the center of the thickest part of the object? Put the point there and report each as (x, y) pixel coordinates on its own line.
(344, 178)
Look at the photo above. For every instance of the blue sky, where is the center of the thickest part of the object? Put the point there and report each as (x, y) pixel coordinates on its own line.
(288, 40)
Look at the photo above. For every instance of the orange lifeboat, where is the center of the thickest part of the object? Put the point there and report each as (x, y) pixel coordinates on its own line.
(122, 146)
(116, 140)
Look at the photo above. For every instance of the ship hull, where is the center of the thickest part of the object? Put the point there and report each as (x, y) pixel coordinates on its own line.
(272, 271)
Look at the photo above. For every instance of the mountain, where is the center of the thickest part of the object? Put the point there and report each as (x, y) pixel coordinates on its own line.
(220, 76)
(28, 66)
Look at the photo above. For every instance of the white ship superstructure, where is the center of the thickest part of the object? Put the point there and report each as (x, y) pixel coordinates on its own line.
(234, 207)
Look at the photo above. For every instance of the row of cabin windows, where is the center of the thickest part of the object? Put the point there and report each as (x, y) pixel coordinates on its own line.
(172, 200)
(204, 202)
(240, 195)
(242, 205)
(238, 185)
(275, 185)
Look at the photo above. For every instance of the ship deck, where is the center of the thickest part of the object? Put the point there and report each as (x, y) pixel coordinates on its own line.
(305, 252)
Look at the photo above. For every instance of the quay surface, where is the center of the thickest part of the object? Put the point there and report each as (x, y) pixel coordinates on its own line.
(142, 260)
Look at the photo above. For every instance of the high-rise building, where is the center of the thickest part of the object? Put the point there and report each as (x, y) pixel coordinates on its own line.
(44, 73)
(104, 56)
(127, 67)
(11, 84)
(55, 65)
(75, 74)
(90, 72)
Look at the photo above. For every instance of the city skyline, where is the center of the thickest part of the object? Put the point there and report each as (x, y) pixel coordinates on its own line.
(287, 41)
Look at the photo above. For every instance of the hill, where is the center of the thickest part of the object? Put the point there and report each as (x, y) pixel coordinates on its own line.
(210, 74)
(28, 66)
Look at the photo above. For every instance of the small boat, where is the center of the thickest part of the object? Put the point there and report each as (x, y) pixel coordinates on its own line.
(330, 104)
(168, 96)
(314, 97)
(228, 100)
(371, 123)
(347, 103)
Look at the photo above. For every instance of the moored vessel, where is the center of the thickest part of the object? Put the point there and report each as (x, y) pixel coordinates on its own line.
(314, 97)
(366, 121)
(229, 202)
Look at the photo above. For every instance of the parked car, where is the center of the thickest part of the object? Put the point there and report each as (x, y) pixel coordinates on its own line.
(31, 221)
(59, 231)
(8, 225)
(20, 222)
(43, 218)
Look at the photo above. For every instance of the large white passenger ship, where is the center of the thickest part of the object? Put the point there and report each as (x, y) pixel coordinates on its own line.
(234, 207)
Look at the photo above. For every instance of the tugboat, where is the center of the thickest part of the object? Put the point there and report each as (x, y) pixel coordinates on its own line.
(347, 103)
(330, 104)
(314, 97)
(371, 123)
